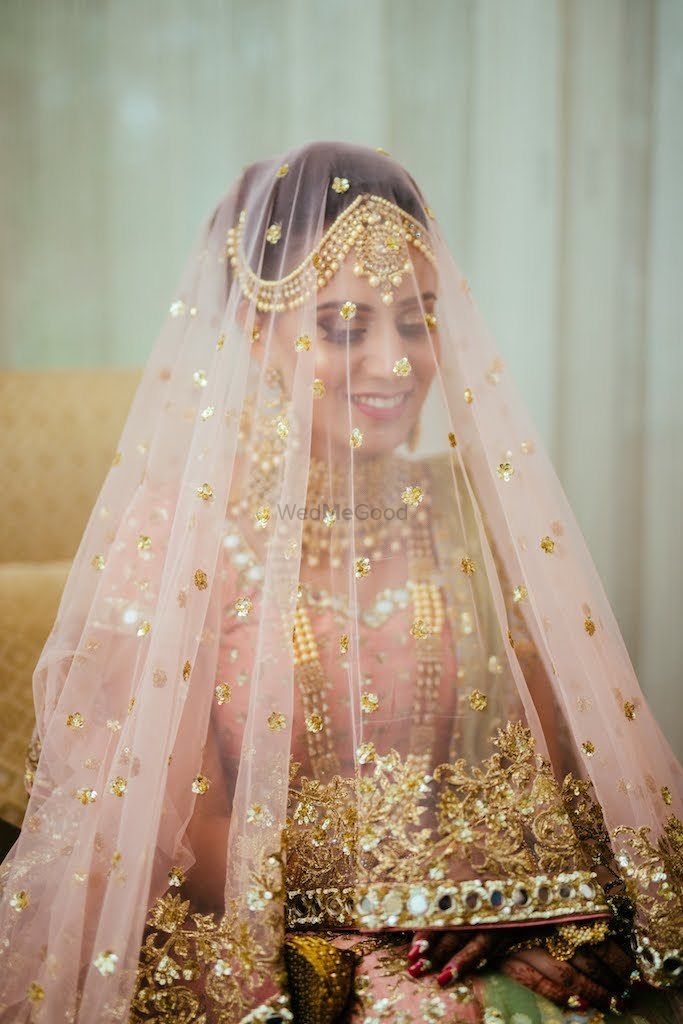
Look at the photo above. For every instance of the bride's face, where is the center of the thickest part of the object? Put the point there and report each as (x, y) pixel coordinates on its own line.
(355, 358)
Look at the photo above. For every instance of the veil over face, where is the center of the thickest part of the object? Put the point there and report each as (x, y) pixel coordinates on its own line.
(333, 652)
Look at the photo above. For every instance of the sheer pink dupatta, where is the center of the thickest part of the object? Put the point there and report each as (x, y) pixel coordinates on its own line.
(558, 797)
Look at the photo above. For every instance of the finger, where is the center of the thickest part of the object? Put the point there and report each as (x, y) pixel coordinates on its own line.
(529, 976)
(431, 949)
(595, 968)
(472, 955)
(446, 945)
(422, 941)
(572, 983)
(618, 959)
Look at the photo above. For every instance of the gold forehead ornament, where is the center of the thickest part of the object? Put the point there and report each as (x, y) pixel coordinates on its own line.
(376, 229)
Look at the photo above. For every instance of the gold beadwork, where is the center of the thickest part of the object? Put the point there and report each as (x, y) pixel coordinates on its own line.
(375, 229)
(567, 938)
(320, 977)
(386, 873)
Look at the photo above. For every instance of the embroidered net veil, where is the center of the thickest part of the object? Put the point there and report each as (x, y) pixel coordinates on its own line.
(333, 651)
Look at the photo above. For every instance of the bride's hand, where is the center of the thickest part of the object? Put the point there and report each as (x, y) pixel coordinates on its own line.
(597, 976)
(454, 953)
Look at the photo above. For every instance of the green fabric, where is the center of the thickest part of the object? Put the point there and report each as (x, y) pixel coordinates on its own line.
(512, 1003)
(508, 1002)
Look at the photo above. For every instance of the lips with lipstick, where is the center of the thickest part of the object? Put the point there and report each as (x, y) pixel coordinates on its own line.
(379, 405)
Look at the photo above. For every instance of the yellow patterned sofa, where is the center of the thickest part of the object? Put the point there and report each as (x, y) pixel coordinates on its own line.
(59, 429)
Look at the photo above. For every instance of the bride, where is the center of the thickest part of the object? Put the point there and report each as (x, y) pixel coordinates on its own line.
(335, 722)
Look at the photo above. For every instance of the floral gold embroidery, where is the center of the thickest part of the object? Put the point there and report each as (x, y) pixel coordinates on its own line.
(381, 848)
(641, 877)
(195, 966)
(654, 882)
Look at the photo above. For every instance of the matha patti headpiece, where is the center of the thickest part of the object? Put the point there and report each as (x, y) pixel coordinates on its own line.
(375, 228)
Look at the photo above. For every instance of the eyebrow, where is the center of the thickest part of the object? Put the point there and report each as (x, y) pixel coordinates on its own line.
(364, 308)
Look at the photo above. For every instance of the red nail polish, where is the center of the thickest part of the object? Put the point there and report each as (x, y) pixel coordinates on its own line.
(417, 949)
(419, 968)
(447, 975)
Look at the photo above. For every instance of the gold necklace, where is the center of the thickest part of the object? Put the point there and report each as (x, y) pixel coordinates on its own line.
(427, 629)
(374, 517)
(373, 483)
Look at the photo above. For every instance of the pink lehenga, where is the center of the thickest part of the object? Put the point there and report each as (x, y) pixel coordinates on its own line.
(333, 663)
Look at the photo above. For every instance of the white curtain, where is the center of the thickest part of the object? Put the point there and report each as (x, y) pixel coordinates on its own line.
(546, 133)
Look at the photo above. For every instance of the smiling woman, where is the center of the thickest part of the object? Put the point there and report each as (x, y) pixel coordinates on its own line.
(336, 721)
(364, 349)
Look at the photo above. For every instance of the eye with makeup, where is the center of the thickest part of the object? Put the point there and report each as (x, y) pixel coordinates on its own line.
(341, 336)
(410, 323)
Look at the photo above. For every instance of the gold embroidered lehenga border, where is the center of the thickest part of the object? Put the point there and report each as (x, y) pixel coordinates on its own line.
(381, 851)
(385, 850)
(507, 813)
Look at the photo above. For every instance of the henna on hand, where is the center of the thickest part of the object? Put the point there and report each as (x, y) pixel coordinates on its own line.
(473, 954)
(619, 960)
(560, 981)
(529, 976)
